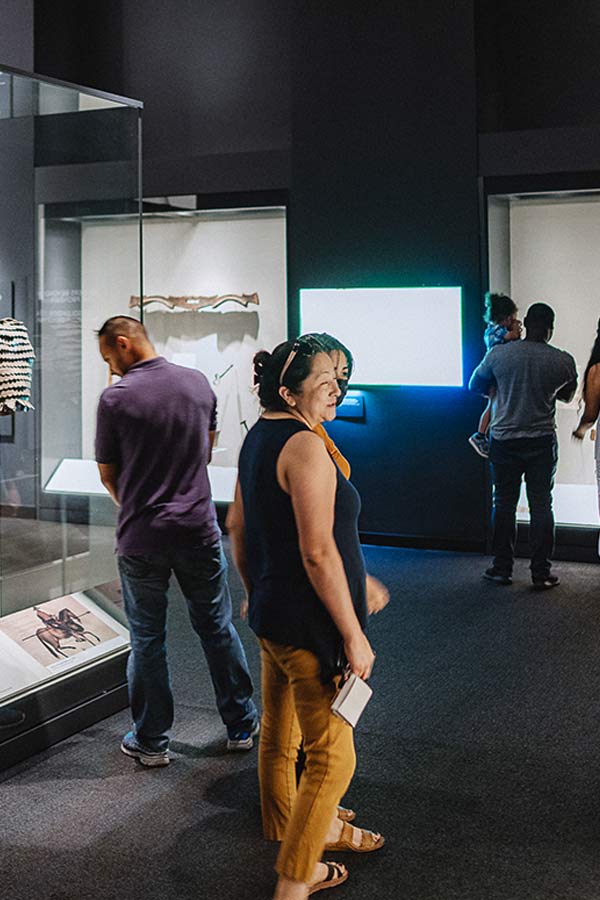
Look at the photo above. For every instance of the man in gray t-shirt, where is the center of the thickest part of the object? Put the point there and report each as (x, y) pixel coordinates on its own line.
(529, 377)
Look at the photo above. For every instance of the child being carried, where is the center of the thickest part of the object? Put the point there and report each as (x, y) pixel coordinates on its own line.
(502, 326)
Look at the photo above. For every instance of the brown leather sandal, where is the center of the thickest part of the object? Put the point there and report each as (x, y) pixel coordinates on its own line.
(369, 840)
(346, 815)
(336, 874)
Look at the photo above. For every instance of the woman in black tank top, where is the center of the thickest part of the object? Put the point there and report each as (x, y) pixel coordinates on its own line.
(294, 536)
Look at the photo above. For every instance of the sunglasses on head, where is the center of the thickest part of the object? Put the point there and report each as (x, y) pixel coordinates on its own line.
(305, 345)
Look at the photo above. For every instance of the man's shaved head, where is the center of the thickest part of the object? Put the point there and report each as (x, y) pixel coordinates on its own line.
(123, 342)
(122, 326)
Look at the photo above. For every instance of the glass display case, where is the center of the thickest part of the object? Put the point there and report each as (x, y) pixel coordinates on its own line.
(215, 294)
(543, 247)
(69, 165)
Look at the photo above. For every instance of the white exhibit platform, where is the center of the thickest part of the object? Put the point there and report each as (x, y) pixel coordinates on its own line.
(574, 504)
(76, 476)
(81, 476)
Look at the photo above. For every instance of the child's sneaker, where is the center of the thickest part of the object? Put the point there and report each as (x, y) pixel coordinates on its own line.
(480, 444)
(242, 740)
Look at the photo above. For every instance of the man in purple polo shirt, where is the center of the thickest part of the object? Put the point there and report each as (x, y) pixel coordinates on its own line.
(154, 437)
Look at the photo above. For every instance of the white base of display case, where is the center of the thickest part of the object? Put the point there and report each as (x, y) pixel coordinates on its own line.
(574, 504)
(76, 476)
(81, 477)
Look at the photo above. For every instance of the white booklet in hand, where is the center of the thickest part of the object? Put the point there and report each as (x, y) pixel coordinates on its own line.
(351, 699)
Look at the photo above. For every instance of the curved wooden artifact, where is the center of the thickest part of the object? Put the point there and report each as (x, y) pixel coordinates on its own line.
(194, 302)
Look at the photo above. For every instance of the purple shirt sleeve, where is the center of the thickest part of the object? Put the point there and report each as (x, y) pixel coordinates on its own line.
(107, 444)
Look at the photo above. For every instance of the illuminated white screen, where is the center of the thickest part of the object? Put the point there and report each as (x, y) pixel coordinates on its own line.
(396, 335)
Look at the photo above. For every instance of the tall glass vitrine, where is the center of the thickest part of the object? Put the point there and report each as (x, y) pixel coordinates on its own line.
(542, 244)
(69, 164)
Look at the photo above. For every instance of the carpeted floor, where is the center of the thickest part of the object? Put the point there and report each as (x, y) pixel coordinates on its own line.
(477, 758)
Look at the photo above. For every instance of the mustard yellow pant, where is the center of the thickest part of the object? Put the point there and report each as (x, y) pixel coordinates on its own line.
(296, 705)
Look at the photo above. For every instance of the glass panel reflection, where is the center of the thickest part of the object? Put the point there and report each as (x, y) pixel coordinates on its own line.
(67, 159)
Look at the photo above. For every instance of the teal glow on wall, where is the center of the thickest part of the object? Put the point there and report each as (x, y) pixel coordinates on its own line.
(398, 336)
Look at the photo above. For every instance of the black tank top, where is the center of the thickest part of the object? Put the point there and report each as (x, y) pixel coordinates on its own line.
(283, 605)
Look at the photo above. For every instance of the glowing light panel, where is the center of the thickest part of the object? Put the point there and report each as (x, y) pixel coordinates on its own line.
(396, 335)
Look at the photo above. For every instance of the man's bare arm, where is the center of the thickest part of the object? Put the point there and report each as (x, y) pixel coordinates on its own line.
(109, 474)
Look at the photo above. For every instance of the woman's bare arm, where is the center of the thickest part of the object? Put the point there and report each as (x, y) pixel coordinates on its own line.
(306, 473)
(236, 529)
(592, 402)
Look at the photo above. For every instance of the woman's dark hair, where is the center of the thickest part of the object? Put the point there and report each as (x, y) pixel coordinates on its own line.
(331, 343)
(498, 307)
(269, 366)
(593, 360)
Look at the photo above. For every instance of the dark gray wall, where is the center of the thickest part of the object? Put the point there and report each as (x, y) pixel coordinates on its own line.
(384, 193)
(213, 76)
(80, 41)
(538, 64)
(16, 33)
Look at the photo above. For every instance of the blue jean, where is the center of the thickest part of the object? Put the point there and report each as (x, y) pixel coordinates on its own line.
(202, 576)
(536, 459)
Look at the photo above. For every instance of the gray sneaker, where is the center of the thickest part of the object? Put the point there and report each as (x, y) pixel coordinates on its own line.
(242, 740)
(130, 746)
(480, 444)
(545, 582)
(492, 574)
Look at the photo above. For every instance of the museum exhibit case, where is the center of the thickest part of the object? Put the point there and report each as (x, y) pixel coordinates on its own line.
(70, 164)
(543, 246)
(215, 293)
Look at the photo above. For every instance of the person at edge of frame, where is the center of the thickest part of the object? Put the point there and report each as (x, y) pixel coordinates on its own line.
(590, 396)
